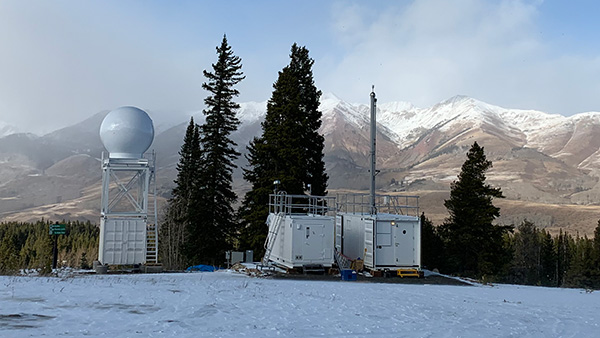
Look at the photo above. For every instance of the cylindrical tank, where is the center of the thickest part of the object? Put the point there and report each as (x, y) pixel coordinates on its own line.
(127, 132)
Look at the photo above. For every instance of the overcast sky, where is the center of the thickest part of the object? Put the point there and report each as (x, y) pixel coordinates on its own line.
(63, 61)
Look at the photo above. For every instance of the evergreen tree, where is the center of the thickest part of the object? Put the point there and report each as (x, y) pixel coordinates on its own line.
(595, 260)
(548, 260)
(215, 227)
(527, 248)
(254, 209)
(290, 148)
(579, 273)
(9, 259)
(563, 257)
(176, 250)
(432, 246)
(310, 118)
(474, 245)
(83, 263)
(596, 246)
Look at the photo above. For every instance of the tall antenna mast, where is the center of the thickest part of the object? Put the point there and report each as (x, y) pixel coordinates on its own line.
(373, 147)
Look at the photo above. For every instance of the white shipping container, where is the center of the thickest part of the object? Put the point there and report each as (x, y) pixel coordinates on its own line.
(303, 240)
(301, 231)
(122, 241)
(383, 241)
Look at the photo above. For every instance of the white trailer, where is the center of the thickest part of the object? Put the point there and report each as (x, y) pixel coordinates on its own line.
(301, 231)
(388, 240)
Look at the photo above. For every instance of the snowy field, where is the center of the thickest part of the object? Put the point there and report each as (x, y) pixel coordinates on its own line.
(227, 304)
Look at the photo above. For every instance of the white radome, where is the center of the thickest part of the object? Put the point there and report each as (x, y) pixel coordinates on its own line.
(127, 132)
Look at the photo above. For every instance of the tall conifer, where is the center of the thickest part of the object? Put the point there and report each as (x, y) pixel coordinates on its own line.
(474, 246)
(215, 224)
(175, 248)
(310, 117)
(290, 148)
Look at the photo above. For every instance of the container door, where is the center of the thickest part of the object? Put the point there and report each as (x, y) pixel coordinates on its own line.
(384, 250)
(313, 248)
(405, 243)
(338, 233)
(369, 243)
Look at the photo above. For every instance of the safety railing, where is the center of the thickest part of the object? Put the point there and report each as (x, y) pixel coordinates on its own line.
(301, 204)
(391, 204)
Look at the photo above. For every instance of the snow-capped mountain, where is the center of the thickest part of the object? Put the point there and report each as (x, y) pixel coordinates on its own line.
(251, 112)
(405, 124)
(537, 157)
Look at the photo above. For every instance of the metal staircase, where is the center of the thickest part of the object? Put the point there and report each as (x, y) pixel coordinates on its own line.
(342, 261)
(274, 225)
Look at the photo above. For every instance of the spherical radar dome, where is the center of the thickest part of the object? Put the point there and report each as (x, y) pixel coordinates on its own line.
(127, 132)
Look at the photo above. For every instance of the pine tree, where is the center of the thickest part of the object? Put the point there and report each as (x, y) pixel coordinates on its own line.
(548, 260)
(563, 257)
(310, 117)
(474, 245)
(596, 256)
(432, 246)
(527, 249)
(176, 250)
(290, 148)
(9, 258)
(216, 226)
(579, 273)
(596, 247)
(254, 209)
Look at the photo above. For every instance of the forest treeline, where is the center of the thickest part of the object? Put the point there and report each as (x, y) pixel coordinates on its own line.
(468, 243)
(535, 257)
(29, 246)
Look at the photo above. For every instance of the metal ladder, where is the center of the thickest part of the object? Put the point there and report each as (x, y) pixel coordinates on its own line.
(274, 225)
(152, 221)
(151, 245)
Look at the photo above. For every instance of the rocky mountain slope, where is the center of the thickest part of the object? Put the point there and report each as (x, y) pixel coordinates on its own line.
(538, 158)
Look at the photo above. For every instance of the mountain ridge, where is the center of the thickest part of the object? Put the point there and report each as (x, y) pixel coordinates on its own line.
(538, 157)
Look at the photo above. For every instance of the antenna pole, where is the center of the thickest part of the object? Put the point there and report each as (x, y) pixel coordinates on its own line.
(373, 147)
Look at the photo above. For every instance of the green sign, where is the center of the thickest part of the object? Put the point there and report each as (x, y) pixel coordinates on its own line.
(58, 229)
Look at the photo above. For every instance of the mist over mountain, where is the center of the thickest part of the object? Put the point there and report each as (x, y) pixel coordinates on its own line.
(6, 129)
(539, 158)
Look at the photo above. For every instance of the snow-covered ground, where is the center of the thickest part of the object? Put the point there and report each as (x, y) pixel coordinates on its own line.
(226, 304)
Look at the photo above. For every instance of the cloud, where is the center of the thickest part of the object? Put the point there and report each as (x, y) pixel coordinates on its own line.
(63, 61)
(427, 51)
(62, 64)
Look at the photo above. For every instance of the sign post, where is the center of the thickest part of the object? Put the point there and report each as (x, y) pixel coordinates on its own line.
(55, 230)
(58, 229)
